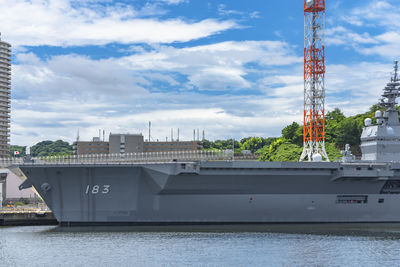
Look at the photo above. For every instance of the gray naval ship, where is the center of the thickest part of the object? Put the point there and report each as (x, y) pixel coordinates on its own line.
(204, 188)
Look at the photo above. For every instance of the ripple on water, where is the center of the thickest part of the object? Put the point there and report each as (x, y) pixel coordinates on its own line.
(271, 245)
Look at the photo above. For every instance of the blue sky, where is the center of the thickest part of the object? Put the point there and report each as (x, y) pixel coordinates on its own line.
(231, 68)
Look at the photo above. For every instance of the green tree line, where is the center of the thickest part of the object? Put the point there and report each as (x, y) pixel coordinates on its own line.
(339, 131)
(44, 149)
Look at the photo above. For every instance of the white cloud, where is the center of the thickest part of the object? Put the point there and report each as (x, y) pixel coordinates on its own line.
(224, 11)
(216, 122)
(73, 76)
(257, 86)
(220, 66)
(61, 23)
(389, 46)
(76, 92)
(64, 93)
(217, 67)
(376, 13)
(383, 17)
(52, 98)
(342, 36)
(174, 2)
(354, 88)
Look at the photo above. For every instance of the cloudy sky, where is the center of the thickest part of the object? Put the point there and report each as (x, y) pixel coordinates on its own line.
(233, 68)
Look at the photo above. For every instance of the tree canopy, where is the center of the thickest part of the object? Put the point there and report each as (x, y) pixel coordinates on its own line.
(339, 131)
(20, 149)
(51, 148)
(253, 144)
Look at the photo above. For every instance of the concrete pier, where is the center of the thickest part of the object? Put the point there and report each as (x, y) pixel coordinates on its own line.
(26, 217)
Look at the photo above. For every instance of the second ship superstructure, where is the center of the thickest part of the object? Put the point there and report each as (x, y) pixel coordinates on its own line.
(380, 142)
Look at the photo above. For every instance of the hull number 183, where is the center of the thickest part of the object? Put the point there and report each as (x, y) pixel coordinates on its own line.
(97, 189)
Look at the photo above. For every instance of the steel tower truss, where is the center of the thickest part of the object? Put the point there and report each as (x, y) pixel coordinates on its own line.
(314, 81)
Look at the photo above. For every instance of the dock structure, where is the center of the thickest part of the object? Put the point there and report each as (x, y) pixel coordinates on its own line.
(19, 217)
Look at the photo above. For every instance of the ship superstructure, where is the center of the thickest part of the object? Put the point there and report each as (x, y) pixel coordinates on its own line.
(380, 142)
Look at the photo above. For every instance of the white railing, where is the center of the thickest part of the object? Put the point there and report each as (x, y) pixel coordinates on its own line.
(5, 162)
(147, 157)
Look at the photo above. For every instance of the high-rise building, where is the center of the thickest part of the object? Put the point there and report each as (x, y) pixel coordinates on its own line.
(5, 90)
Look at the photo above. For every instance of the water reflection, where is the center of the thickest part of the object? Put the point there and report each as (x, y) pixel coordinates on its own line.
(383, 230)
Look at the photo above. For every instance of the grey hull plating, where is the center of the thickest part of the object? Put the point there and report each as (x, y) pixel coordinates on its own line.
(219, 192)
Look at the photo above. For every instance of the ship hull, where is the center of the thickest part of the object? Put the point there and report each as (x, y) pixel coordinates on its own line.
(217, 193)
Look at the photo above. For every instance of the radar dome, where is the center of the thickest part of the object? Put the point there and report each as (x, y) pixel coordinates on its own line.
(310, 2)
(368, 122)
(390, 131)
(317, 157)
(378, 114)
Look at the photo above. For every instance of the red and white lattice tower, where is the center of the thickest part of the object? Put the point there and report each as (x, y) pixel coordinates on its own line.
(314, 84)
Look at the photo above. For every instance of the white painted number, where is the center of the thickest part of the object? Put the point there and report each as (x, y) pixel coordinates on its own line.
(95, 189)
(104, 189)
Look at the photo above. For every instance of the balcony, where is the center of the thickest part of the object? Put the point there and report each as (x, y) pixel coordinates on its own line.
(5, 57)
(5, 70)
(5, 118)
(6, 76)
(5, 61)
(5, 45)
(4, 54)
(4, 105)
(4, 96)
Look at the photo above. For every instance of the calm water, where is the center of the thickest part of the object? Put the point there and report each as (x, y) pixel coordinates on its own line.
(294, 245)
